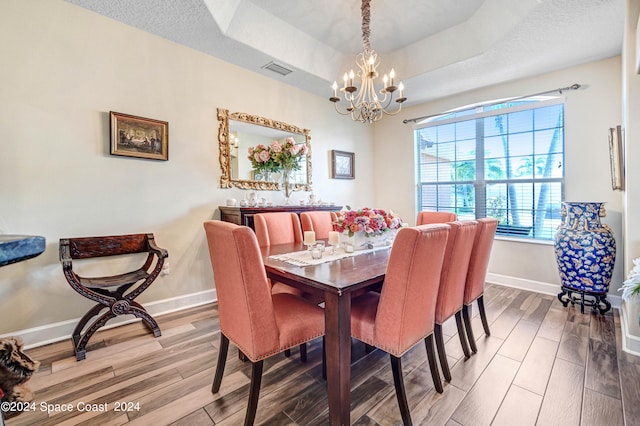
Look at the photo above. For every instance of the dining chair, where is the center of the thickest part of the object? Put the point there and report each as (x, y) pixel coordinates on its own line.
(277, 228)
(281, 228)
(452, 284)
(426, 217)
(403, 314)
(476, 275)
(321, 222)
(257, 321)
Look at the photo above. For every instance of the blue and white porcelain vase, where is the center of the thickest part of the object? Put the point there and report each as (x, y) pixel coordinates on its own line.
(586, 252)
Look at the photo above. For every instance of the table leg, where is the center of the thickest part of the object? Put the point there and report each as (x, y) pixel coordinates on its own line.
(338, 348)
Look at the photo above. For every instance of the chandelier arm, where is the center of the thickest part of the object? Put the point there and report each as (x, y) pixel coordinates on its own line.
(394, 112)
(335, 104)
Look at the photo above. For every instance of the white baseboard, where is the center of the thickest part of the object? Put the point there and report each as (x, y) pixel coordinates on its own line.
(523, 284)
(539, 286)
(51, 333)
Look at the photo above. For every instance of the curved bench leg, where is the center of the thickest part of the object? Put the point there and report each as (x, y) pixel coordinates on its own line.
(80, 342)
(140, 312)
(85, 319)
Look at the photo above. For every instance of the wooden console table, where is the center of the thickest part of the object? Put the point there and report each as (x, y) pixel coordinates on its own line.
(244, 215)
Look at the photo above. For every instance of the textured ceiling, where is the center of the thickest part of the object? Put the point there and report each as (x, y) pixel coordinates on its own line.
(437, 47)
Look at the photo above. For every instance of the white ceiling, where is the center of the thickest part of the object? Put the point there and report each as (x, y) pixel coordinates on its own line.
(437, 47)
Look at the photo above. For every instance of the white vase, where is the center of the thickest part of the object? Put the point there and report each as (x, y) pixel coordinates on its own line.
(360, 241)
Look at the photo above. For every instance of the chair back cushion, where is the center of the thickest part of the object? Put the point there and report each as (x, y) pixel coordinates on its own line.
(426, 217)
(407, 303)
(244, 295)
(277, 228)
(319, 221)
(454, 269)
(479, 261)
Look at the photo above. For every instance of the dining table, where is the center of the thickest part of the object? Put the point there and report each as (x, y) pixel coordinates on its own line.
(336, 281)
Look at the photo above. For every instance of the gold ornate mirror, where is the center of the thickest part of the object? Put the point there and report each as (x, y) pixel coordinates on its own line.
(239, 131)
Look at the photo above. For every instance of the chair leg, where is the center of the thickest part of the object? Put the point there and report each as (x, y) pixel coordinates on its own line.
(466, 316)
(303, 352)
(396, 367)
(222, 360)
(483, 315)
(433, 366)
(462, 336)
(242, 357)
(287, 353)
(441, 353)
(81, 343)
(324, 360)
(254, 393)
(140, 312)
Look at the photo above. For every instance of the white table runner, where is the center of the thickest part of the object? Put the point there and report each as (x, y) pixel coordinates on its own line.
(303, 258)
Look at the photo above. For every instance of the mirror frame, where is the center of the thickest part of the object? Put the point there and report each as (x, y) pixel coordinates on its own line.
(225, 150)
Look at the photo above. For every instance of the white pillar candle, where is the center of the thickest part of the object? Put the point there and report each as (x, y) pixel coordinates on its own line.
(309, 237)
(334, 238)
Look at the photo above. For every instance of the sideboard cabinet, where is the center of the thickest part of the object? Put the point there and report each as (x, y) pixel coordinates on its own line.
(244, 215)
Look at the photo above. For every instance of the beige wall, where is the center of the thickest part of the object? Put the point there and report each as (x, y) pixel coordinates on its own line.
(63, 69)
(589, 113)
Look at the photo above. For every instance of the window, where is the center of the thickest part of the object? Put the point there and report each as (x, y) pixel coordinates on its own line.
(503, 160)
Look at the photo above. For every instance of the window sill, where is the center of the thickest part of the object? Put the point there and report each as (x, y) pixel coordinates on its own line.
(524, 240)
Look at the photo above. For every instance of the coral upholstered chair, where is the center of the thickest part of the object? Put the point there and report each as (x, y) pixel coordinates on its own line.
(474, 289)
(321, 222)
(452, 284)
(403, 314)
(277, 228)
(259, 322)
(280, 228)
(426, 217)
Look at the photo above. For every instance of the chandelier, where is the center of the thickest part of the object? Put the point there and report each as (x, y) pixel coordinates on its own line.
(365, 105)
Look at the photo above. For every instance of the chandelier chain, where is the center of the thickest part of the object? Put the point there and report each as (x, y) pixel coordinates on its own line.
(366, 18)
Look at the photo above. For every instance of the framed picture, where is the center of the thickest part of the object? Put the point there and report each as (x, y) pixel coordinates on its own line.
(343, 165)
(616, 158)
(141, 137)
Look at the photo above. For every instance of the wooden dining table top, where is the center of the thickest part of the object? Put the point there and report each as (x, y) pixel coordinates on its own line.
(339, 276)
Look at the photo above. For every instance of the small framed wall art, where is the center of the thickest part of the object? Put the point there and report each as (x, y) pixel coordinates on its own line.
(616, 157)
(140, 137)
(343, 165)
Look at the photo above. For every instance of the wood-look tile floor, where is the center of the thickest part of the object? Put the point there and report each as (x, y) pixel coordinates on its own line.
(543, 364)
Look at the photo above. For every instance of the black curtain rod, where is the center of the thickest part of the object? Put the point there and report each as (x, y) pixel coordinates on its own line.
(572, 87)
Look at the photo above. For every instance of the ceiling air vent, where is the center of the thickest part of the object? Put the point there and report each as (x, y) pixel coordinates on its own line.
(272, 66)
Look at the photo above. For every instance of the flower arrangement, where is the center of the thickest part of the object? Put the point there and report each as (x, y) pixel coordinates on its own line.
(287, 153)
(370, 221)
(277, 156)
(631, 286)
(262, 159)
